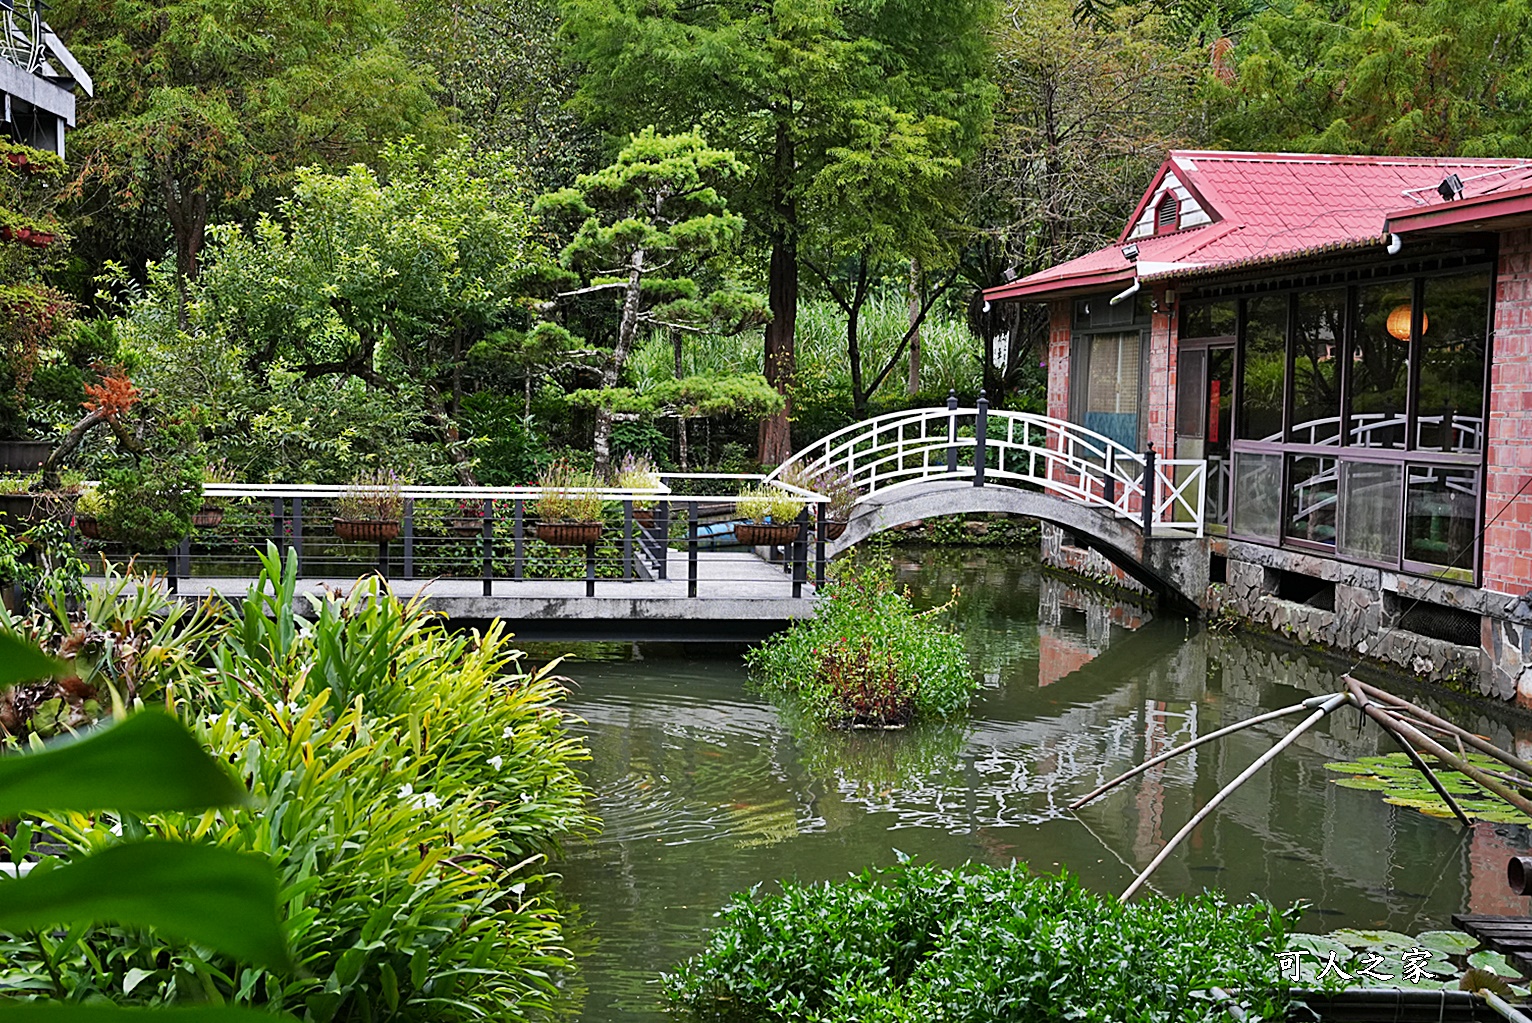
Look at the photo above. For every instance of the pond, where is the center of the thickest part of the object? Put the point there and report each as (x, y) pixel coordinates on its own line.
(706, 790)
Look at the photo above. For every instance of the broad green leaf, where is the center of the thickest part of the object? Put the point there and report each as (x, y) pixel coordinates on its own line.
(21, 661)
(1453, 943)
(64, 1012)
(149, 763)
(1494, 962)
(198, 893)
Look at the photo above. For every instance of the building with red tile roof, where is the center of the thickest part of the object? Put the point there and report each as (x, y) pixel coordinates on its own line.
(1347, 342)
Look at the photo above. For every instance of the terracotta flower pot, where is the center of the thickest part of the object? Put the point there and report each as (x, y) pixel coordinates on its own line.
(466, 525)
(208, 516)
(569, 534)
(374, 530)
(756, 534)
(834, 529)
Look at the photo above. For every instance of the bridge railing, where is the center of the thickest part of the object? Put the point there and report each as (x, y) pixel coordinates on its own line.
(490, 534)
(986, 446)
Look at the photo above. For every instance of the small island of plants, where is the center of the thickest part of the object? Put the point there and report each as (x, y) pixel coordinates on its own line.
(867, 659)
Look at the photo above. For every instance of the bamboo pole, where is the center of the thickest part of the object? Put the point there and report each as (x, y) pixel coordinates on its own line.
(1329, 704)
(1270, 715)
(1477, 742)
(1462, 766)
(1381, 719)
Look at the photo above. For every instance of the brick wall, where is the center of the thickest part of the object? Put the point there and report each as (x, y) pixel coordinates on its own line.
(1058, 359)
(1508, 541)
(1160, 395)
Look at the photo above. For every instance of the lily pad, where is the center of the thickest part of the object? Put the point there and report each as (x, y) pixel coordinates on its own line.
(1452, 943)
(1495, 963)
(1319, 945)
(1404, 785)
(1353, 938)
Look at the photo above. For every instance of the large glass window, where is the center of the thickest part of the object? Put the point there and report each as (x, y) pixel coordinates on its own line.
(1318, 339)
(1440, 513)
(1312, 483)
(1380, 360)
(1208, 319)
(1369, 511)
(1262, 379)
(1257, 494)
(1454, 321)
(1111, 403)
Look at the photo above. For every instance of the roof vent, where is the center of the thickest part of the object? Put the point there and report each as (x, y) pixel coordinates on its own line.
(1167, 215)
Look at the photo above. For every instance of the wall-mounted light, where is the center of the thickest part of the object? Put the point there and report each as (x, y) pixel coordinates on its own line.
(1398, 323)
(1451, 188)
(1130, 251)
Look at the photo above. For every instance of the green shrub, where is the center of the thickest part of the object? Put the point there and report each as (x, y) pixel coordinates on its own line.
(977, 945)
(405, 783)
(149, 504)
(375, 496)
(866, 657)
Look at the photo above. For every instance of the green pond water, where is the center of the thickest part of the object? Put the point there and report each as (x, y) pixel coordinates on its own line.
(705, 790)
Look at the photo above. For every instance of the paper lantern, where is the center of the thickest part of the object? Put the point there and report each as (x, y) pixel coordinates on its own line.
(1399, 322)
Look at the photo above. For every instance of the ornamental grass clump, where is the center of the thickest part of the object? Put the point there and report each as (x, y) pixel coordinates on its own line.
(979, 944)
(375, 496)
(769, 505)
(405, 781)
(867, 659)
(569, 494)
(638, 472)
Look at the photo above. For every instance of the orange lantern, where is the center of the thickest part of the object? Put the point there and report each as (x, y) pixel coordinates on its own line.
(1399, 322)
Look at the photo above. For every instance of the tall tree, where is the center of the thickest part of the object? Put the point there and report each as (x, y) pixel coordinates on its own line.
(644, 221)
(205, 105)
(789, 83)
(1432, 77)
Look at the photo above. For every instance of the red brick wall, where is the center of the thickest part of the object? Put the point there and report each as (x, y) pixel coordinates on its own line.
(1508, 542)
(1058, 359)
(1160, 395)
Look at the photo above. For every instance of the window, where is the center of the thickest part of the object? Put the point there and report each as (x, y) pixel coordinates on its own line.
(1312, 484)
(1380, 359)
(1257, 494)
(1111, 391)
(1262, 379)
(1450, 409)
(1440, 516)
(1369, 511)
(1318, 338)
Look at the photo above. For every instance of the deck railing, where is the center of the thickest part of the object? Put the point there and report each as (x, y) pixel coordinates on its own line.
(490, 534)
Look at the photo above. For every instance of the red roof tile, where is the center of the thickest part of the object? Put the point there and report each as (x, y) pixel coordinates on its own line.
(1271, 207)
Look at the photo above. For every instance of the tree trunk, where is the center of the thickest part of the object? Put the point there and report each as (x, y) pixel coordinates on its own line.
(775, 442)
(681, 422)
(627, 328)
(188, 223)
(912, 387)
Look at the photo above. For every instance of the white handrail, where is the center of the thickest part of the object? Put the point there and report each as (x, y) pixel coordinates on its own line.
(902, 449)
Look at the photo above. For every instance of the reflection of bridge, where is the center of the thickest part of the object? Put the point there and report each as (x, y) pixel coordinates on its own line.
(922, 463)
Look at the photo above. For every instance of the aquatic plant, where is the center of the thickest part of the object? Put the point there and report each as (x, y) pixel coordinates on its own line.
(977, 944)
(867, 658)
(1403, 785)
(1372, 957)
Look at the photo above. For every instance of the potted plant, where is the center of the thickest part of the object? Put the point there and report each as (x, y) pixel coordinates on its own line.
(210, 513)
(371, 507)
(88, 510)
(468, 519)
(771, 517)
(834, 484)
(638, 472)
(569, 509)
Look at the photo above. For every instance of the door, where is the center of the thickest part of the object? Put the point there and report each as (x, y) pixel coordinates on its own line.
(1204, 419)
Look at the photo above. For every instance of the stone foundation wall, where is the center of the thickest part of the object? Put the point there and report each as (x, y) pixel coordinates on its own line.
(1059, 552)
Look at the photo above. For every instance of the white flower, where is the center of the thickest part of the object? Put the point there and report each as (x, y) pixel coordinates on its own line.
(496, 761)
(406, 791)
(507, 732)
(244, 730)
(427, 801)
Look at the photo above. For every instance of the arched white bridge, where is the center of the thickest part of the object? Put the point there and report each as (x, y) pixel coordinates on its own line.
(923, 462)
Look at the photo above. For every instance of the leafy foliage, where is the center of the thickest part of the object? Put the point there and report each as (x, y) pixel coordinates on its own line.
(768, 504)
(977, 944)
(148, 503)
(570, 494)
(866, 657)
(374, 496)
(403, 781)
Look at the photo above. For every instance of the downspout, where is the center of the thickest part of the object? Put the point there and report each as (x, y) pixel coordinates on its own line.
(1127, 293)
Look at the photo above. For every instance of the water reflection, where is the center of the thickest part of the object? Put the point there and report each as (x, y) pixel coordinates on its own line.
(706, 789)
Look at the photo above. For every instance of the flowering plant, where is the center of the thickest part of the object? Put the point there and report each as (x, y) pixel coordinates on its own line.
(374, 496)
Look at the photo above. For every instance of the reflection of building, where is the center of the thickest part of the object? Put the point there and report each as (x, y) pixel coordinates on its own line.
(38, 76)
(1074, 627)
(1347, 341)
